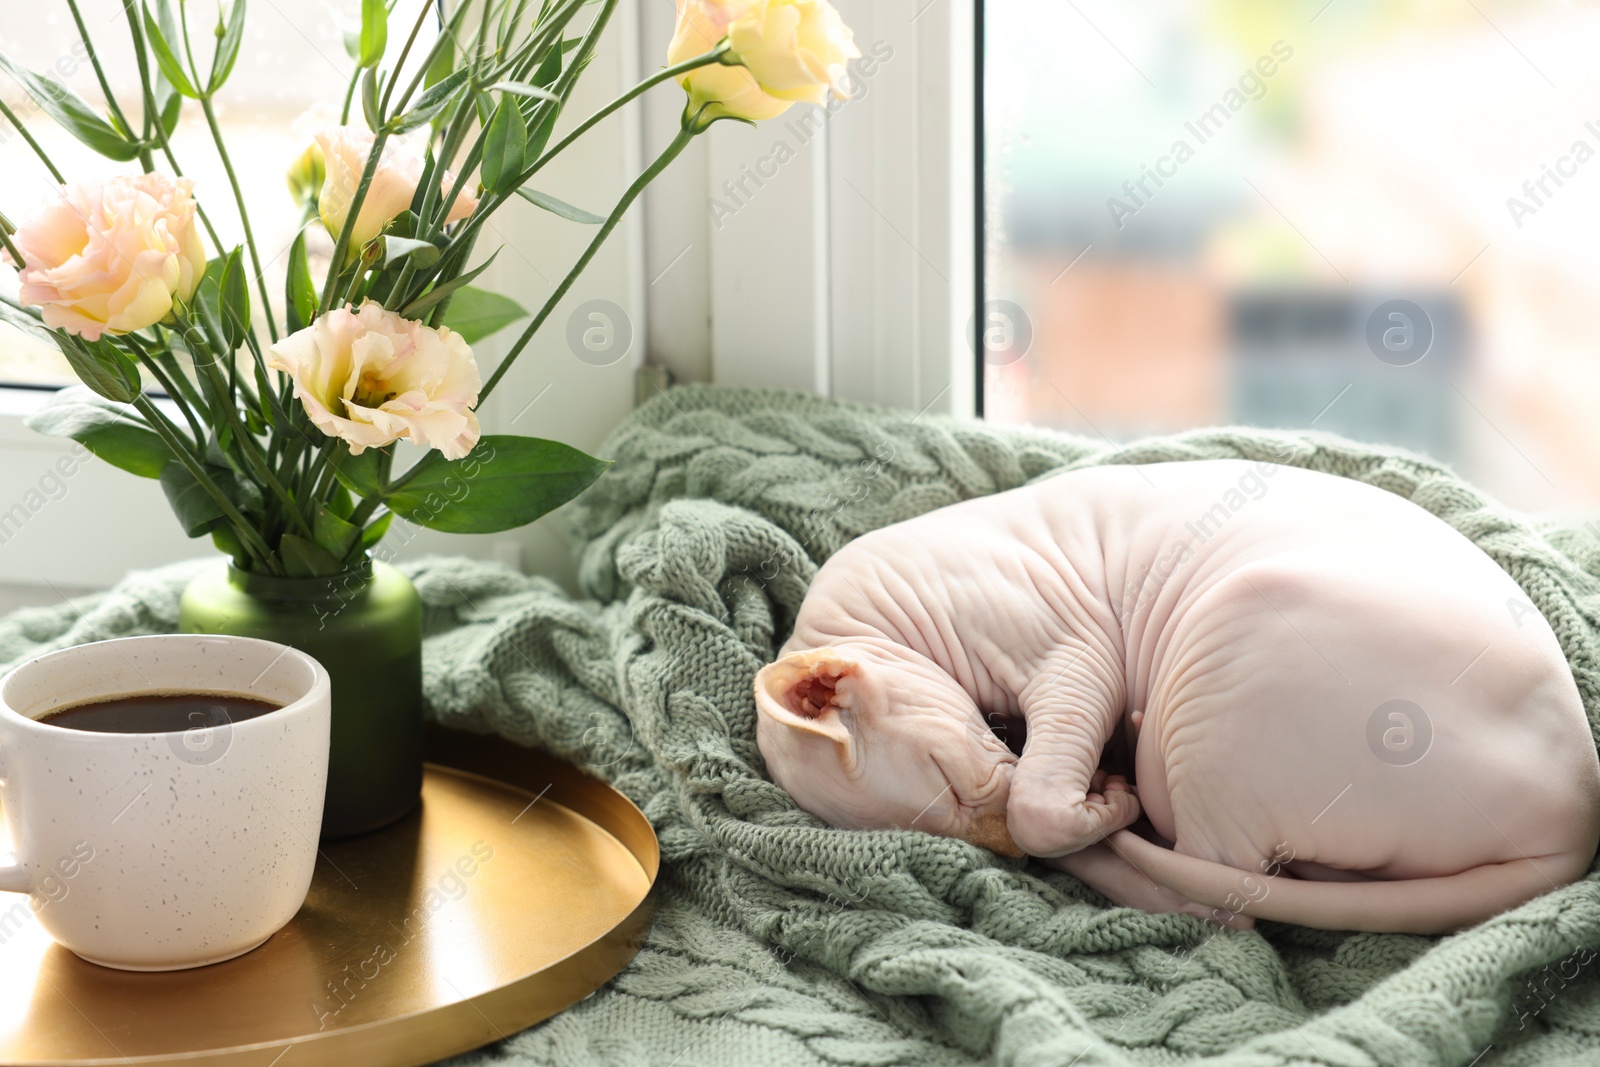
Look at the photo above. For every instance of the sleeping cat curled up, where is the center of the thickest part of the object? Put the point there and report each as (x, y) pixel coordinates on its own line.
(1236, 690)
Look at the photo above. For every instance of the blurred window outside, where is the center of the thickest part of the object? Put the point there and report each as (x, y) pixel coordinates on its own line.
(1370, 217)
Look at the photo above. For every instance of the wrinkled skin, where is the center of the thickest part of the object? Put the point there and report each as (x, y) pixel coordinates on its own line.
(1195, 662)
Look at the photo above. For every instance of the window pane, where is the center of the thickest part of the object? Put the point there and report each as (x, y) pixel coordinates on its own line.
(1372, 217)
(290, 79)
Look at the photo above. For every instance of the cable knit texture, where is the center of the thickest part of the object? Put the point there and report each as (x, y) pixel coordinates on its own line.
(779, 940)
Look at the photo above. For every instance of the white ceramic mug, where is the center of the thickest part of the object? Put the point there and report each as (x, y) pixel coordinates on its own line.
(159, 851)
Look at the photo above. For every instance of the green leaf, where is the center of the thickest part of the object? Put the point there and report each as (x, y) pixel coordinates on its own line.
(533, 92)
(369, 99)
(444, 61)
(374, 32)
(376, 529)
(222, 284)
(406, 225)
(484, 103)
(221, 437)
(334, 534)
(540, 137)
(227, 542)
(503, 483)
(197, 510)
(111, 431)
(504, 144)
(72, 112)
(258, 417)
(359, 474)
(102, 366)
(300, 291)
(430, 103)
(161, 34)
(228, 46)
(121, 130)
(211, 351)
(422, 253)
(18, 319)
(306, 559)
(340, 501)
(550, 67)
(560, 207)
(172, 108)
(478, 313)
(236, 298)
(427, 300)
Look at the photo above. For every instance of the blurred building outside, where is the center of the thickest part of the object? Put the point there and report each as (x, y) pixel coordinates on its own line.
(1371, 217)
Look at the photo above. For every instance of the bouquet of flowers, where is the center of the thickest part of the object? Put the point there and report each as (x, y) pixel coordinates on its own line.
(269, 408)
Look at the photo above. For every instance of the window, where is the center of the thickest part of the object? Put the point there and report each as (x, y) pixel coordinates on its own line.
(1369, 218)
(289, 80)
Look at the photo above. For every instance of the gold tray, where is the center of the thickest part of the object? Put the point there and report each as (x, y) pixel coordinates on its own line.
(518, 888)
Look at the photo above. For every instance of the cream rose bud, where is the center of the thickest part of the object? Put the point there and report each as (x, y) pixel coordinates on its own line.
(371, 378)
(795, 49)
(717, 91)
(307, 175)
(111, 256)
(344, 151)
(783, 51)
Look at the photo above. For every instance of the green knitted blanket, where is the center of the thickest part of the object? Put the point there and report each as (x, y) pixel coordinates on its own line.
(781, 941)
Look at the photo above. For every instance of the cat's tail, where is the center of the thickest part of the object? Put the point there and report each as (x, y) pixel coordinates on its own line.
(1416, 906)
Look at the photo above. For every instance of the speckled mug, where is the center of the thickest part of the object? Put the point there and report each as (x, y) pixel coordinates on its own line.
(156, 852)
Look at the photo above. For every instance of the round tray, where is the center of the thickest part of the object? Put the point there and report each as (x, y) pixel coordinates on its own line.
(509, 895)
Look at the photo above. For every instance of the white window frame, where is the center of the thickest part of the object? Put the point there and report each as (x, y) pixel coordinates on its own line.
(849, 272)
(846, 266)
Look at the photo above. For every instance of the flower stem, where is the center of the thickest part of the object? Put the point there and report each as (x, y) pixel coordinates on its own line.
(455, 134)
(324, 482)
(26, 136)
(562, 89)
(442, 308)
(364, 511)
(100, 75)
(248, 535)
(224, 407)
(349, 97)
(130, 11)
(673, 150)
(473, 158)
(446, 39)
(18, 260)
(483, 28)
(584, 127)
(244, 213)
(552, 24)
(164, 374)
(423, 12)
(643, 87)
(341, 248)
(186, 394)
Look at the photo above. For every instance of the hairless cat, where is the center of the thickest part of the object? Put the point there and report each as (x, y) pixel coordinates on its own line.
(1236, 690)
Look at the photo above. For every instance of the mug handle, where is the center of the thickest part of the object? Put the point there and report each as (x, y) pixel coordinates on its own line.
(13, 878)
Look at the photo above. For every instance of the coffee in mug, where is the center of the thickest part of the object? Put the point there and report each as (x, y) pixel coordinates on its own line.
(158, 713)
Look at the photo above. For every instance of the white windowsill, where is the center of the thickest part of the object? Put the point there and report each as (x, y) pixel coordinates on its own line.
(20, 403)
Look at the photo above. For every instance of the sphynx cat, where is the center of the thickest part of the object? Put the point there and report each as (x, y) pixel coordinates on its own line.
(1320, 703)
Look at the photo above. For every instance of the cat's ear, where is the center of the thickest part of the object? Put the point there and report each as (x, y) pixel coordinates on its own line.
(818, 692)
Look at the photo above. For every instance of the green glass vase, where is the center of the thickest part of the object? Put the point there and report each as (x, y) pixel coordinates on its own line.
(365, 627)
